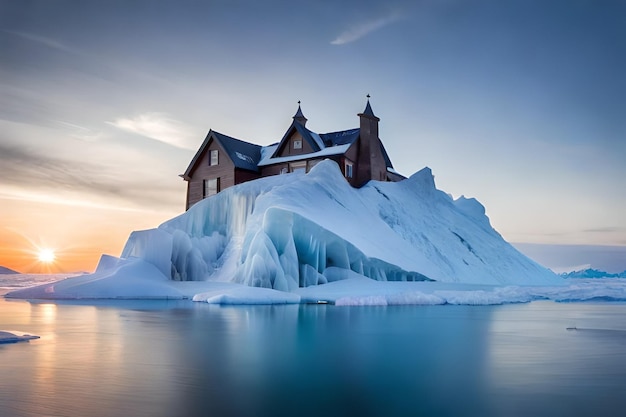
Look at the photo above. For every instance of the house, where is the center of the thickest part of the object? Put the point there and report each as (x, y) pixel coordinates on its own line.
(223, 161)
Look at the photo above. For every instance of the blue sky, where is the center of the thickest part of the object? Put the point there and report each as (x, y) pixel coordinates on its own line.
(517, 103)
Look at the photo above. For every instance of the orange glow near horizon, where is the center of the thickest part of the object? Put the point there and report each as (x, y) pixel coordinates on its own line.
(76, 236)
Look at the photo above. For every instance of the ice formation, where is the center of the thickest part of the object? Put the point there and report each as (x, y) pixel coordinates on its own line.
(298, 230)
(284, 232)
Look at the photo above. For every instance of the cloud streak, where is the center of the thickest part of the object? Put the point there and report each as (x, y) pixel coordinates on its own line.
(363, 29)
(35, 174)
(160, 127)
(42, 40)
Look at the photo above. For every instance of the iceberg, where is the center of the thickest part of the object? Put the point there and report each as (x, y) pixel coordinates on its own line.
(12, 336)
(295, 231)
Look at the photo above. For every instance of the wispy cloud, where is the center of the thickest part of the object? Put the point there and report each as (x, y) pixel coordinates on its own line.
(160, 127)
(80, 132)
(34, 175)
(43, 40)
(362, 29)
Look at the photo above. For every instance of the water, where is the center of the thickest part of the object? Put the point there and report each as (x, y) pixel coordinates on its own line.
(158, 358)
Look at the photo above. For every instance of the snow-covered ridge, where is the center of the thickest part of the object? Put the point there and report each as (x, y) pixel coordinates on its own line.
(292, 231)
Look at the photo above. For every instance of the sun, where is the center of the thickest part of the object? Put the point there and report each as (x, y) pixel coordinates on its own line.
(46, 256)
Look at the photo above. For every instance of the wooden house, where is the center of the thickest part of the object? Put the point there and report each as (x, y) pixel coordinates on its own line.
(223, 161)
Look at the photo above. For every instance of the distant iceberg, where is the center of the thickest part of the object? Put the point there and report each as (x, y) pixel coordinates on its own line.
(592, 273)
(12, 336)
(5, 270)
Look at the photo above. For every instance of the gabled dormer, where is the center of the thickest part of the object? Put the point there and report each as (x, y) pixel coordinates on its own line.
(298, 140)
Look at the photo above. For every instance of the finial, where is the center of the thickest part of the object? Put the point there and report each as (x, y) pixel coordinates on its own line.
(368, 96)
(299, 116)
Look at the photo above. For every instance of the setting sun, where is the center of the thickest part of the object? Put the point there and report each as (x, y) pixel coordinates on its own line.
(46, 256)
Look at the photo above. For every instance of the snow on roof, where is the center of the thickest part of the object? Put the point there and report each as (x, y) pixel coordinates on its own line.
(244, 155)
(331, 150)
(340, 138)
(318, 140)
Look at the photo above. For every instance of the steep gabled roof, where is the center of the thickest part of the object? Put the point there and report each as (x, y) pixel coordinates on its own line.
(245, 155)
(312, 138)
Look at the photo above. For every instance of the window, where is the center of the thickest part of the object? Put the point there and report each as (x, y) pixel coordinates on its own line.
(213, 157)
(349, 169)
(210, 187)
(297, 144)
(297, 166)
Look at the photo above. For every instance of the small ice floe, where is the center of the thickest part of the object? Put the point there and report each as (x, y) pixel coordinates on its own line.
(11, 336)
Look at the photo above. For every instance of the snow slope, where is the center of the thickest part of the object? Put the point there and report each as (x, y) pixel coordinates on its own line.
(285, 231)
(293, 231)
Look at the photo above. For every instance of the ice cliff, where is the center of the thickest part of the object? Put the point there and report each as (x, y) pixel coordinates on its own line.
(298, 230)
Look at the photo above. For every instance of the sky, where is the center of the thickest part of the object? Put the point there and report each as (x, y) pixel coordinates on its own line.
(520, 104)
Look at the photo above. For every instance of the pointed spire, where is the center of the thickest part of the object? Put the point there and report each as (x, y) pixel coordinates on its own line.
(368, 110)
(299, 116)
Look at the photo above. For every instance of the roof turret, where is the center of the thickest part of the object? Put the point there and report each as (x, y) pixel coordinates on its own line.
(368, 112)
(299, 116)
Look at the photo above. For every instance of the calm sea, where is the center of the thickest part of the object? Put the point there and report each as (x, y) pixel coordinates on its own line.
(159, 358)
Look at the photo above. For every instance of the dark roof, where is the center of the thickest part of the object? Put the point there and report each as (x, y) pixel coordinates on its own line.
(306, 134)
(298, 113)
(368, 112)
(245, 155)
(349, 136)
(299, 116)
(340, 138)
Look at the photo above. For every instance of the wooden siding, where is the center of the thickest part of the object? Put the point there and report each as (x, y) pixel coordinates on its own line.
(287, 148)
(224, 170)
(242, 175)
(270, 170)
(365, 155)
(275, 169)
(352, 155)
(394, 177)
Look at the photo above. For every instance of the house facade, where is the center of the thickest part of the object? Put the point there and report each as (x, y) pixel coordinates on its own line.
(223, 161)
